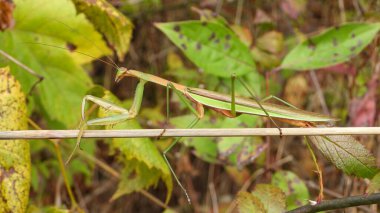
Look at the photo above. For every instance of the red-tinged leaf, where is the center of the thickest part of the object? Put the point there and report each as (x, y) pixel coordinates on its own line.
(343, 68)
(261, 17)
(346, 154)
(363, 111)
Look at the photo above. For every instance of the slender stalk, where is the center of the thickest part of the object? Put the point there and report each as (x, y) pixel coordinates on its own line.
(217, 132)
(111, 171)
(319, 171)
(61, 167)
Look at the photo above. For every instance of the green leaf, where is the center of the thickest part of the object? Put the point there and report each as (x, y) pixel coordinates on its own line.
(65, 83)
(108, 20)
(143, 164)
(204, 147)
(271, 197)
(211, 46)
(246, 202)
(331, 47)
(15, 165)
(239, 151)
(346, 154)
(375, 184)
(47, 209)
(294, 188)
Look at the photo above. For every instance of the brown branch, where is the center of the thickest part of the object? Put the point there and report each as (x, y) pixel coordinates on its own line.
(339, 203)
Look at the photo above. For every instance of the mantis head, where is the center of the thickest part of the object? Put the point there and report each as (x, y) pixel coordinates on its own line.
(121, 73)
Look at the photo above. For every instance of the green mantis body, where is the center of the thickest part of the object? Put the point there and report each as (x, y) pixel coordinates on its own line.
(222, 103)
(228, 105)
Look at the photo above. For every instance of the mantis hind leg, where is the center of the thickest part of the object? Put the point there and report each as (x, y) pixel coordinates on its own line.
(191, 125)
(278, 99)
(255, 98)
(198, 112)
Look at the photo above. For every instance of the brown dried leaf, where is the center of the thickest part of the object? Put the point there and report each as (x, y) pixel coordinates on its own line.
(6, 14)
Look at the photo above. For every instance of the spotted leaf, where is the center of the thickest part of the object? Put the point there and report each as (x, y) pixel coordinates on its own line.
(331, 47)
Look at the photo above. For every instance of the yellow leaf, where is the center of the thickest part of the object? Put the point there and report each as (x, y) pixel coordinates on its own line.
(14, 154)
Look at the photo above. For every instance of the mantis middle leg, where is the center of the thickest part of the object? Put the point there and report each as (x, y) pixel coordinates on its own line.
(233, 77)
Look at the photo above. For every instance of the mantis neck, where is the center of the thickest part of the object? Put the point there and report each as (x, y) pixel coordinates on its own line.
(157, 80)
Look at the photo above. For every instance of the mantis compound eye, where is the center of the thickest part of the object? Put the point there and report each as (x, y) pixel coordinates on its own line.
(120, 74)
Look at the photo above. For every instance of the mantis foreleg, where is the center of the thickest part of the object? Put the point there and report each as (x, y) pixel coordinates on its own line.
(123, 114)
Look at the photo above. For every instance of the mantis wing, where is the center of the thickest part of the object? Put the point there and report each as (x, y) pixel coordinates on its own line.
(248, 106)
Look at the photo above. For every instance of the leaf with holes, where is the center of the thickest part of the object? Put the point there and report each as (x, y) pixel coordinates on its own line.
(346, 154)
(108, 20)
(211, 46)
(331, 47)
(15, 166)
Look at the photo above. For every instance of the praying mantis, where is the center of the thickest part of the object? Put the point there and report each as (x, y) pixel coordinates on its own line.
(227, 105)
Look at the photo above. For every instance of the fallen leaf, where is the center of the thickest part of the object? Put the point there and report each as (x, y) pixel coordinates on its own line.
(296, 89)
(293, 8)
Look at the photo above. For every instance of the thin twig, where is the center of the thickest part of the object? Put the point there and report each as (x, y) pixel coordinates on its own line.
(217, 132)
(340, 203)
(318, 89)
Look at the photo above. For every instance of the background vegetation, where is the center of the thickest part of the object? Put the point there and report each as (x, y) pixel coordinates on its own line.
(293, 49)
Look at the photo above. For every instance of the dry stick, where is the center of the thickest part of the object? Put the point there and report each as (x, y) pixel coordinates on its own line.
(340, 203)
(216, 132)
(26, 68)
